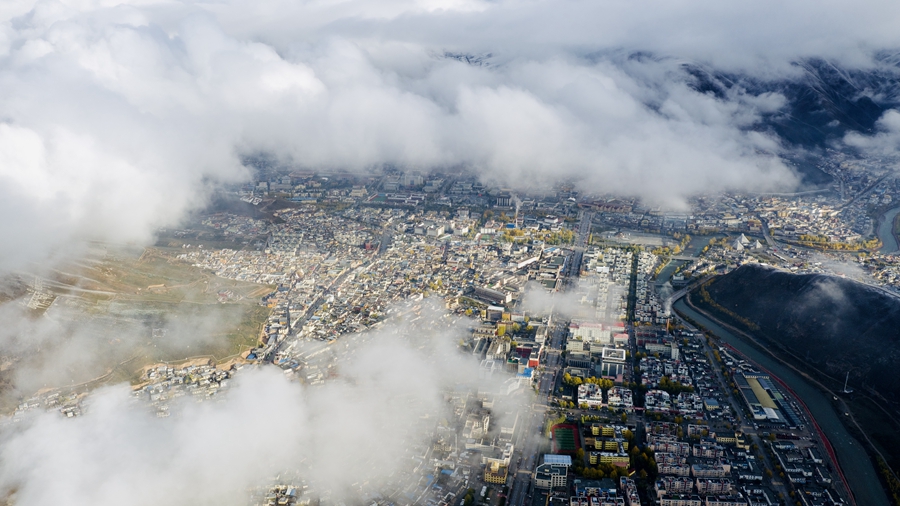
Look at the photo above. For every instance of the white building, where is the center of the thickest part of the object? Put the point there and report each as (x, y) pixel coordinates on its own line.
(551, 476)
(590, 394)
(590, 332)
(620, 397)
(612, 362)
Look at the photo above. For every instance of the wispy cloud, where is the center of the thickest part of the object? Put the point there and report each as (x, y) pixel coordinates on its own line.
(366, 424)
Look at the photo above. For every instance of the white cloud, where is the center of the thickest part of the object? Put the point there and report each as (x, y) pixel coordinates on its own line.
(117, 117)
(132, 109)
(358, 428)
(885, 141)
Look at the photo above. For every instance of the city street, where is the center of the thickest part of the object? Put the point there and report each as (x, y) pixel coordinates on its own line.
(529, 439)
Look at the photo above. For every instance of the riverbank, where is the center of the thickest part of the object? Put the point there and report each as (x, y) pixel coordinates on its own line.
(862, 479)
(887, 231)
(856, 406)
(826, 443)
(895, 230)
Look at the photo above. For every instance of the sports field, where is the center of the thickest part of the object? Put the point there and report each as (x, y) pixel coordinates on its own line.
(565, 438)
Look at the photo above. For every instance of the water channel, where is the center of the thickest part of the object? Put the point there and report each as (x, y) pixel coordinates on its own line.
(886, 232)
(854, 462)
(693, 248)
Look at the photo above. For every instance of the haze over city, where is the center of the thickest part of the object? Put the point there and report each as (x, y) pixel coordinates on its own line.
(449, 252)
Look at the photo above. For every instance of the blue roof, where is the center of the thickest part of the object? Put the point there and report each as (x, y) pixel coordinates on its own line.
(527, 373)
(564, 460)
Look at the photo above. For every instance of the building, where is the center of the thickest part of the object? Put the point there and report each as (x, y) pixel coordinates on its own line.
(612, 362)
(498, 350)
(586, 488)
(495, 473)
(620, 397)
(603, 430)
(620, 459)
(590, 332)
(665, 350)
(493, 313)
(411, 179)
(708, 450)
(669, 444)
(590, 394)
(629, 490)
(730, 500)
(726, 437)
(675, 469)
(499, 455)
(559, 460)
(673, 485)
(710, 471)
(688, 403)
(580, 360)
(597, 500)
(714, 486)
(681, 500)
(575, 345)
(613, 444)
(551, 476)
(760, 395)
(657, 400)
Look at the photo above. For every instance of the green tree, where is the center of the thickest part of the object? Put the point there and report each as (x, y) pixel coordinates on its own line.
(469, 498)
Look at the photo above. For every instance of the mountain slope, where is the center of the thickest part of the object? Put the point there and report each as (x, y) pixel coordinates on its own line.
(838, 324)
(825, 102)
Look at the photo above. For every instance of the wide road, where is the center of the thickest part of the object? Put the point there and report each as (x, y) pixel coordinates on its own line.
(529, 438)
(385, 242)
(584, 229)
(866, 191)
(582, 234)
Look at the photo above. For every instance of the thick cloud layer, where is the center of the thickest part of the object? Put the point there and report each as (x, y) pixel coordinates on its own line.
(116, 117)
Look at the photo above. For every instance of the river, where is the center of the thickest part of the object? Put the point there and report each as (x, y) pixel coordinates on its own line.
(693, 248)
(886, 232)
(854, 462)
